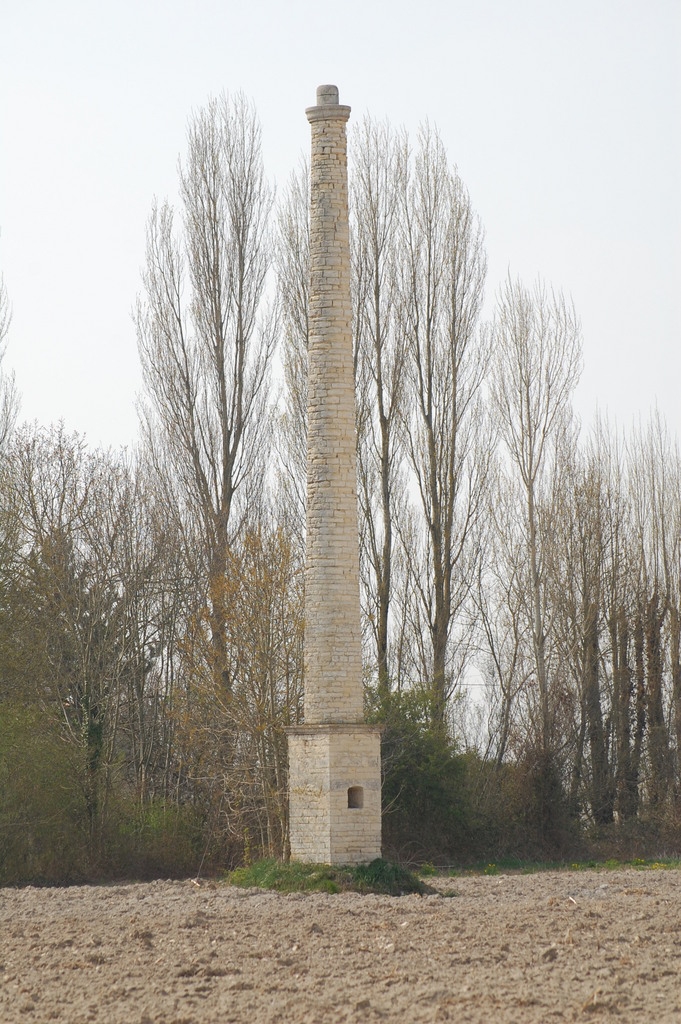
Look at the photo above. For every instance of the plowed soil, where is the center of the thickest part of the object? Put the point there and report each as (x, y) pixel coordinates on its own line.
(573, 946)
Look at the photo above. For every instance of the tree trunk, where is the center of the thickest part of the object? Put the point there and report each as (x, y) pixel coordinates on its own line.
(625, 782)
(675, 655)
(640, 726)
(658, 743)
(601, 790)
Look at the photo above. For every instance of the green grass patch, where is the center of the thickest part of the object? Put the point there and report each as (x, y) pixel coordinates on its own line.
(661, 864)
(507, 866)
(380, 876)
(514, 867)
(640, 863)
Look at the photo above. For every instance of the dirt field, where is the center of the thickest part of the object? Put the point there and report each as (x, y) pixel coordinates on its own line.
(561, 946)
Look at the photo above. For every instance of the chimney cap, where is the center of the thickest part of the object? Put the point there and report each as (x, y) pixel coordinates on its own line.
(328, 108)
(327, 95)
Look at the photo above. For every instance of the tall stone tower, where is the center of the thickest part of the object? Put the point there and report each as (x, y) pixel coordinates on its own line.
(334, 759)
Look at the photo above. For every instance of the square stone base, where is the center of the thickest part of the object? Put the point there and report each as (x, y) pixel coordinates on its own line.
(335, 793)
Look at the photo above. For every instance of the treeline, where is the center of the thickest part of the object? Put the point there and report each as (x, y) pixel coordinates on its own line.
(521, 578)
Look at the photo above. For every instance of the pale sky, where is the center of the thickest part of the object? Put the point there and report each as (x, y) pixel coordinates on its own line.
(563, 117)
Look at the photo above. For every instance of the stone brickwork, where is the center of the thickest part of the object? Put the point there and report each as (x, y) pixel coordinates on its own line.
(334, 759)
(327, 763)
(333, 656)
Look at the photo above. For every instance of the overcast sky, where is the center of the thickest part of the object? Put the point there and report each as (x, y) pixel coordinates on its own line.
(563, 117)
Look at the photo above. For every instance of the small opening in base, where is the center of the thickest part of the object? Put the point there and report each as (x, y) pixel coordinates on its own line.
(355, 796)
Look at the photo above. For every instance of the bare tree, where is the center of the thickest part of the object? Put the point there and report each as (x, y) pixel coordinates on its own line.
(148, 561)
(673, 589)
(293, 273)
(503, 627)
(9, 399)
(577, 564)
(245, 794)
(9, 403)
(537, 347)
(618, 608)
(206, 341)
(653, 492)
(378, 173)
(448, 441)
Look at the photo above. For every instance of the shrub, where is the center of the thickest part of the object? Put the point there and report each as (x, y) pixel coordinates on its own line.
(153, 840)
(425, 815)
(41, 808)
(380, 876)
